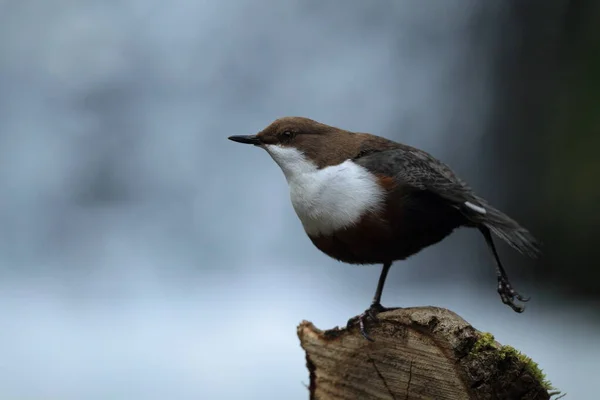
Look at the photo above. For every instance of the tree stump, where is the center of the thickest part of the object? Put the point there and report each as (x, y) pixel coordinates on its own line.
(417, 353)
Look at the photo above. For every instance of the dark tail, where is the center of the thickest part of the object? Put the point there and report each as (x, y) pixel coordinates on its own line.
(506, 229)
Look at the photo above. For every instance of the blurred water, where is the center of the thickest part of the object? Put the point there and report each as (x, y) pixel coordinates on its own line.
(137, 243)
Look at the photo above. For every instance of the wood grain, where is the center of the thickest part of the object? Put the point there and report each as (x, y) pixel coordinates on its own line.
(418, 353)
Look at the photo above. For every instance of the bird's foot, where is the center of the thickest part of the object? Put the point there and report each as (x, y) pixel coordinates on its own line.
(508, 295)
(370, 313)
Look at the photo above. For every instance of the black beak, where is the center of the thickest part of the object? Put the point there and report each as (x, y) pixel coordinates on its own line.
(248, 139)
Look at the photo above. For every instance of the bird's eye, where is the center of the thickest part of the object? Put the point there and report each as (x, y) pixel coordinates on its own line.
(287, 134)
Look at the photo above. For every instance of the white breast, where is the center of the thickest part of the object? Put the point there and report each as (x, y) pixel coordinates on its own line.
(330, 198)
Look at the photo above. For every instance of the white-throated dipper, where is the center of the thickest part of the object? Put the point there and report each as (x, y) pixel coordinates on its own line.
(365, 199)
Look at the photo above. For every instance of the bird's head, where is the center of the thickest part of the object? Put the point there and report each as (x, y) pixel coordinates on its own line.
(298, 142)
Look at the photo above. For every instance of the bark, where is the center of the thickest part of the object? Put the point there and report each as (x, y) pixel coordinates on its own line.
(417, 353)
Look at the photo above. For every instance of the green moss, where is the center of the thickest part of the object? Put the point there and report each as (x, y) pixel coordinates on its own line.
(486, 342)
(531, 366)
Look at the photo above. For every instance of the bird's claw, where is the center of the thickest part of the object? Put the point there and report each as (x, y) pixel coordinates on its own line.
(370, 313)
(508, 295)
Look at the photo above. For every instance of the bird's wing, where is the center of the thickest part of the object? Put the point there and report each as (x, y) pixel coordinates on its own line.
(417, 169)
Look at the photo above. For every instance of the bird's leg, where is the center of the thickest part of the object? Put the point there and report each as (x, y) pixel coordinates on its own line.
(376, 306)
(505, 290)
(376, 303)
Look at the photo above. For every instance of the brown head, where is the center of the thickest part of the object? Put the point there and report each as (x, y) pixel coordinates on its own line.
(322, 144)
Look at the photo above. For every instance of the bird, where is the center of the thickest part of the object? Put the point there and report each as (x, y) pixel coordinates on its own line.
(364, 199)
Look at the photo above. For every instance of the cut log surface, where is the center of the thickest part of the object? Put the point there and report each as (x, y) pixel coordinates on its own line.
(417, 353)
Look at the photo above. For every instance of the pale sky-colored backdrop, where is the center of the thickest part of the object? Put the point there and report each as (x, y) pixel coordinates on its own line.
(144, 256)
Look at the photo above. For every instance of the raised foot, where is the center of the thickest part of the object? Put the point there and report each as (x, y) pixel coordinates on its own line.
(508, 295)
(370, 313)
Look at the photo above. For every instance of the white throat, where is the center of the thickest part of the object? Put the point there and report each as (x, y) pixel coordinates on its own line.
(327, 199)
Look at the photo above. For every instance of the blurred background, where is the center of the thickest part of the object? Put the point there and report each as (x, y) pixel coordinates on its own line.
(144, 256)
